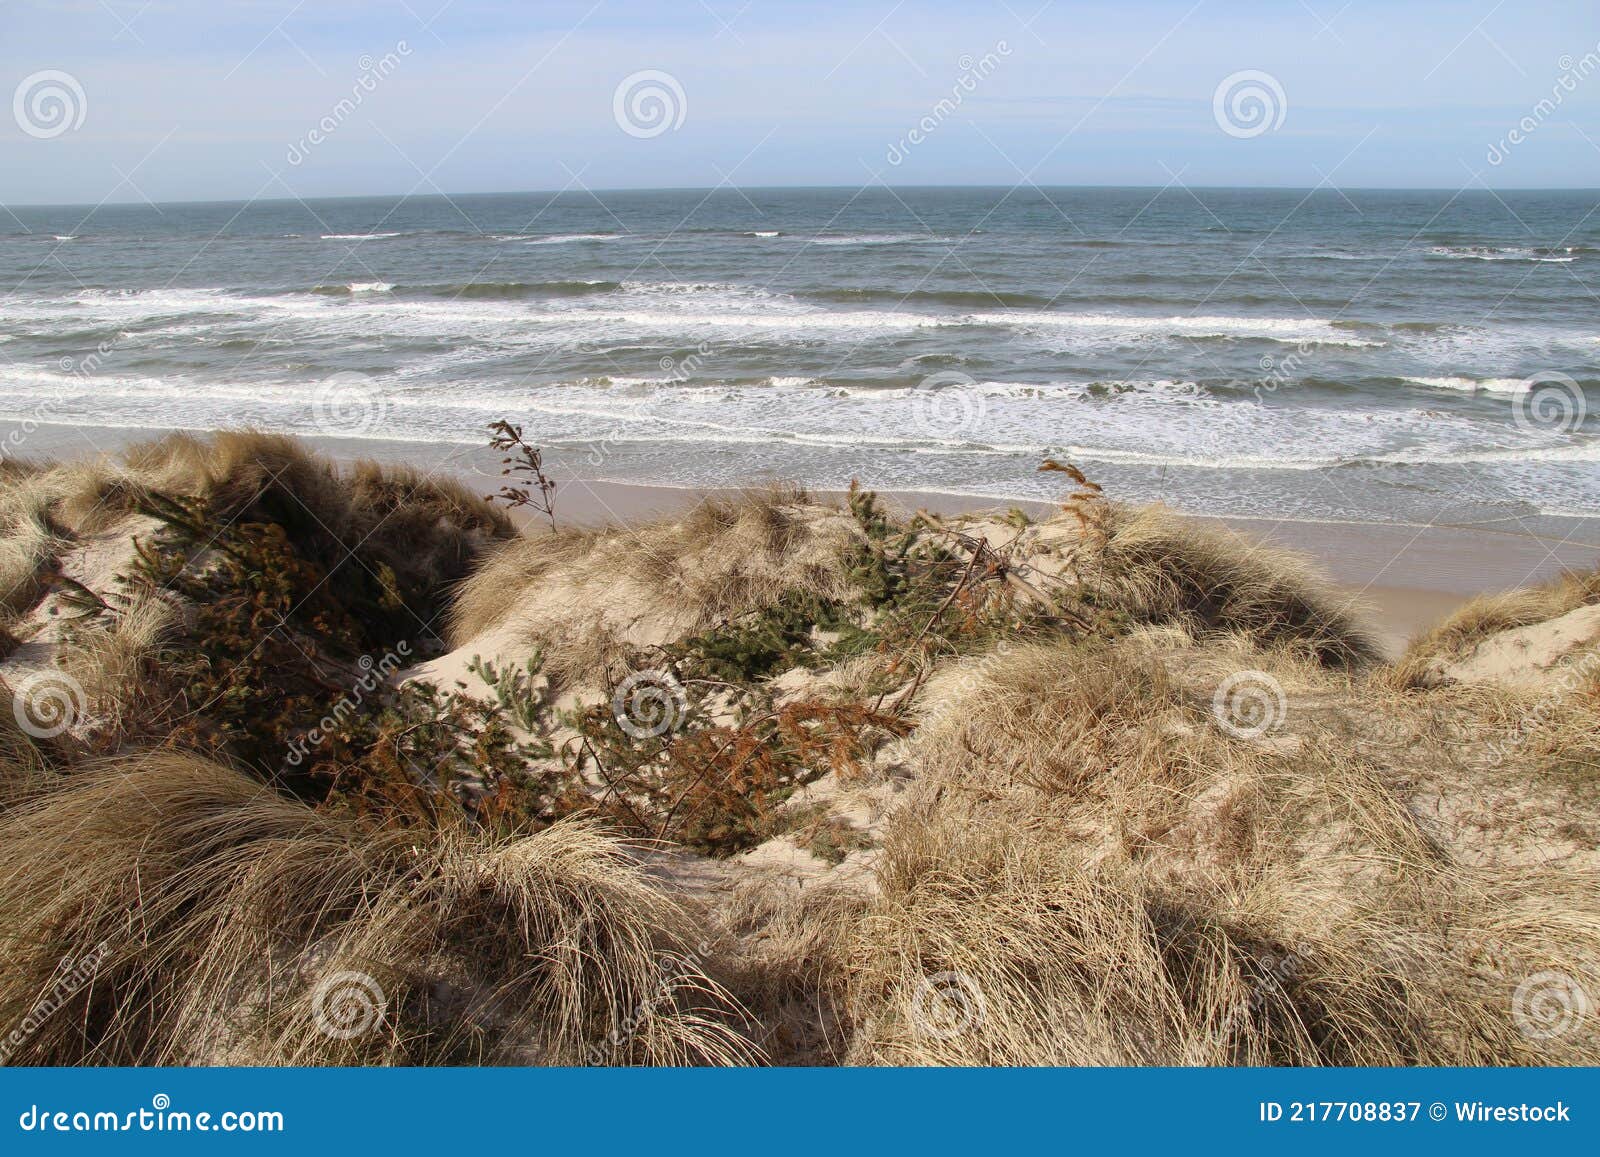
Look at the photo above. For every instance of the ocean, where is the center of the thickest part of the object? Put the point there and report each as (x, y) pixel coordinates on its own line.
(1362, 355)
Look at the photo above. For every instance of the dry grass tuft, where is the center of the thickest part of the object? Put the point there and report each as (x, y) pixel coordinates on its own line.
(1160, 568)
(1060, 854)
(234, 923)
(1091, 872)
(28, 552)
(25, 769)
(1490, 614)
(425, 529)
(588, 595)
(110, 656)
(417, 533)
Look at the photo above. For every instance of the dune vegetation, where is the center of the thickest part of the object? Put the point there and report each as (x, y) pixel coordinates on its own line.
(320, 764)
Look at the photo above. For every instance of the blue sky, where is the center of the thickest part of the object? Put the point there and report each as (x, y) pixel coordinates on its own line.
(184, 100)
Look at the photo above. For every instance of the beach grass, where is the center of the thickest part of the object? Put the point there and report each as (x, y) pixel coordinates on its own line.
(322, 764)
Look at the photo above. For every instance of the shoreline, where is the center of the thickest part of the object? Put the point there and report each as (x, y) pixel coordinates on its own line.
(1400, 577)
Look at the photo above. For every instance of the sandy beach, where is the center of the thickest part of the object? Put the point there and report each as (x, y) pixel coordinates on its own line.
(1401, 579)
(1057, 546)
(782, 737)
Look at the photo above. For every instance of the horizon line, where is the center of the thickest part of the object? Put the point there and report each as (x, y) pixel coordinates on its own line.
(711, 190)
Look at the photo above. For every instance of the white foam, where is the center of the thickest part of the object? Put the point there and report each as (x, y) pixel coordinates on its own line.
(357, 236)
(1311, 331)
(1471, 385)
(659, 321)
(695, 309)
(713, 292)
(1588, 451)
(881, 239)
(1340, 255)
(568, 238)
(1497, 253)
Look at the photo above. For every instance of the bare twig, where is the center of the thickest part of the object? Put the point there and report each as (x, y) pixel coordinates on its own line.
(527, 463)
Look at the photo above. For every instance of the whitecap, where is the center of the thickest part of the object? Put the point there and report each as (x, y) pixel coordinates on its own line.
(881, 239)
(566, 238)
(1470, 385)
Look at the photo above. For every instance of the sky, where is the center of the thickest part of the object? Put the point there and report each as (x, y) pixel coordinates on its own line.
(171, 100)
